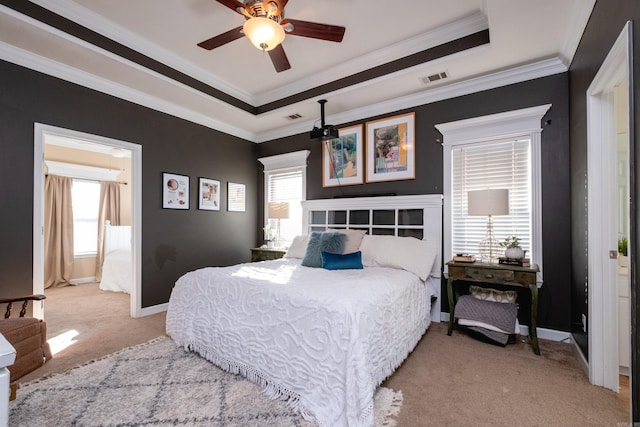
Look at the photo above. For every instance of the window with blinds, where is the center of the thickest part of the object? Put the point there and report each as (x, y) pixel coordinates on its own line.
(496, 164)
(286, 186)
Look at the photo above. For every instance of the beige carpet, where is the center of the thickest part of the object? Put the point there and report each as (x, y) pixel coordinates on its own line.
(446, 381)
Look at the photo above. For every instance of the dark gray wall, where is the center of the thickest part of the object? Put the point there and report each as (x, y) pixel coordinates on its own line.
(173, 241)
(555, 301)
(607, 21)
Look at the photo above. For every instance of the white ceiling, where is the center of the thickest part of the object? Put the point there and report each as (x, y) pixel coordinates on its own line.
(528, 39)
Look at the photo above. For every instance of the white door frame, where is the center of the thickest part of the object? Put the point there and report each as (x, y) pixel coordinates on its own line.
(602, 219)
(40, 130)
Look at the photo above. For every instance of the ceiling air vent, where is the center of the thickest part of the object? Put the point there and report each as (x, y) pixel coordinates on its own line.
(434, 77)
(294, 116)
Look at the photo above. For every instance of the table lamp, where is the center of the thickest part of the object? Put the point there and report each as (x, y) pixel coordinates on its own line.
(278, 210)
(488, 203)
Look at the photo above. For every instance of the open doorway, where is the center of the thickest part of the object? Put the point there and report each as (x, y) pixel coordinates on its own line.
(609, 241)
(44, 133)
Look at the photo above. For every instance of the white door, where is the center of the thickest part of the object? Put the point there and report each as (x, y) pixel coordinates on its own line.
(608, 123)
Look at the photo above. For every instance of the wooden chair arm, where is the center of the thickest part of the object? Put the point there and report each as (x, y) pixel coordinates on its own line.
(25, 303)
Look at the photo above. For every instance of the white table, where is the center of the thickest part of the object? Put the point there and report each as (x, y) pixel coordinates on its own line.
(7, 358)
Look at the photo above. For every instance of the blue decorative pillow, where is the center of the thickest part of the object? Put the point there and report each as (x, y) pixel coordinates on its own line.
(352, 261)
(322, 242)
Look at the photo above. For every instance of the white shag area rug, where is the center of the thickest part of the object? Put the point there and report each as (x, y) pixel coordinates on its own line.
(158, 384)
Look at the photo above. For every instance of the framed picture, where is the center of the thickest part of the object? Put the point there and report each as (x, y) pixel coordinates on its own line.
(175, 191)
(209, 194)
(235, 197)
(391, 148)
(342, 158)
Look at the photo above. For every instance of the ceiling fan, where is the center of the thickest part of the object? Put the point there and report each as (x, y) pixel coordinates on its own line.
(266, 26)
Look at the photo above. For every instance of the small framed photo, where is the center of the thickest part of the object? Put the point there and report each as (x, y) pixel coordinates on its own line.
(175, 191)
(391, 148)
(235, 197)
(208, 194)
(342, 158)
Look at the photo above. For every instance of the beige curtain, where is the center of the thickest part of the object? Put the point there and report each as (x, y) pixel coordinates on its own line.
(109, 210)
(58, 231)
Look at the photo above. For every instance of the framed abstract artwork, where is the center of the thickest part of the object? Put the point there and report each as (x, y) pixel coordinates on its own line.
(175, 191)
(391, 148)
(342, 158)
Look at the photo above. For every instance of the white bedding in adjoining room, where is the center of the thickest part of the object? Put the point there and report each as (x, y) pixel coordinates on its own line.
(116, 271)
(322, 339)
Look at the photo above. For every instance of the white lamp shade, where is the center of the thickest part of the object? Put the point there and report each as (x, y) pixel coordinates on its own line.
(278, 210)
(488, 202)
(264, 33)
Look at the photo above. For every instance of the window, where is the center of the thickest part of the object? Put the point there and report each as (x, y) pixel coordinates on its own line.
(85, 199)
(285, 181)
(286, 186)
(491, 165)
(494, 152)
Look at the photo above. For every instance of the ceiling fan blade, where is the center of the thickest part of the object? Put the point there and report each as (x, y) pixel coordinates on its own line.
(281, 4)
(234, 5)
(313, 30)
(222, 39)
(279, 59)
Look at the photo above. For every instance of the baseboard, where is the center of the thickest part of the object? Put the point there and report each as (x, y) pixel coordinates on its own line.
(543, 333)
(154, 309)
(581, 358)
(81, 280)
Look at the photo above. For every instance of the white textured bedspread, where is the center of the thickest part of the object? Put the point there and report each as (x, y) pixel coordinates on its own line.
(323, 340)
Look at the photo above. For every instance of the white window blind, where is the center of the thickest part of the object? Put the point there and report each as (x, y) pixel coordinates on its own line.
(286, 186)
(85, 200)
(496, 164)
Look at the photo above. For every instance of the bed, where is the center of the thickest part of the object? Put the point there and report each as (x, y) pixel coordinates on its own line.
(322, 339)
(116, 267)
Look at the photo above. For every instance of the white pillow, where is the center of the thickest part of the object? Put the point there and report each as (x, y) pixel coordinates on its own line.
(354, 239)
(298, 247)
(406, 253)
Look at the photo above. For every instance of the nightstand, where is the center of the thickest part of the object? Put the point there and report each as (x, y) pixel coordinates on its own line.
(501, 274)
(266, 254)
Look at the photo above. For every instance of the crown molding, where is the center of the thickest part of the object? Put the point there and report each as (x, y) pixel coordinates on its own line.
(47, 66)
(579, 20)
(543, 68)
(95, 22)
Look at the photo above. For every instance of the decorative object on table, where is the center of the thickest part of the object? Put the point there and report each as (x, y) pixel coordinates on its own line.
(520, 262)
(512, 248)
(157, 383)
(488, 203)
(235, 197)
(175, 191)
(278, 211)
(342, 158)
(391, 148)
(209, 194)
(269, 235)
(464, 258)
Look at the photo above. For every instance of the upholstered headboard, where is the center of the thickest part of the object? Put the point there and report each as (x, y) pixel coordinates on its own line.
(417, 216)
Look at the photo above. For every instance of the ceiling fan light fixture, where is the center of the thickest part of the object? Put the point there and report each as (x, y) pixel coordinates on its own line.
(264, 33)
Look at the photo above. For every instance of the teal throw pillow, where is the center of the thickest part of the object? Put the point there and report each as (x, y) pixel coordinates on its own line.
(352, 261)
(322, 242)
